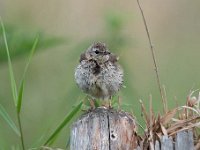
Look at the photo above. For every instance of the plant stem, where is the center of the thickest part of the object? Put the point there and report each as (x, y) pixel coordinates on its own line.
(20, 130)
(153, 56)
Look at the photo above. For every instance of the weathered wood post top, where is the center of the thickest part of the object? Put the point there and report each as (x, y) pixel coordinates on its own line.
(104, 129)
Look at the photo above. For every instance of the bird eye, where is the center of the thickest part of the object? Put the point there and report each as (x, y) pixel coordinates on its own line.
(96, 52)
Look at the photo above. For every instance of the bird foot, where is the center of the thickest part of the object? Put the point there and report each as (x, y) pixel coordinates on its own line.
(107, 104)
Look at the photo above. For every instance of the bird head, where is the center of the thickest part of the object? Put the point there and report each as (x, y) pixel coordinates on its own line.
(98, 52)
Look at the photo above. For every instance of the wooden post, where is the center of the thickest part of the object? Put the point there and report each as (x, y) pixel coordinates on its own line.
(166, 143)
(104, 129)
(184, 141)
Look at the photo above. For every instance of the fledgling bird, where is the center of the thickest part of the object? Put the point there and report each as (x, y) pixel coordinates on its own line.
(99, 74)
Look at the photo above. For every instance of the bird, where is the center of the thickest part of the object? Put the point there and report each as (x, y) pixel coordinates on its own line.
(98, 73)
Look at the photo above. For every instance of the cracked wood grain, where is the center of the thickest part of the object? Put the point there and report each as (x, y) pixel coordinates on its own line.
(104, 129)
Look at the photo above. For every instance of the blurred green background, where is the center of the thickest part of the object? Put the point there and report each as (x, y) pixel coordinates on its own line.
(67, 28)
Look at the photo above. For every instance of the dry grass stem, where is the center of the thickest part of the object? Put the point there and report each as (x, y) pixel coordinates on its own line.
(153, 53)
(178, 119)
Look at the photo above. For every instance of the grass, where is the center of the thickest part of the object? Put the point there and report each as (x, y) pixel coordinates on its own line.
(8, 119)
(170, 122)
(21, 40)
(66, 120)
(18, 97)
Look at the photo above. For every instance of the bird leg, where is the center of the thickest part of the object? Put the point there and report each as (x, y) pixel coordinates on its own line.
(119, 102)
(91, 101)
(110, 103)
(105, 103)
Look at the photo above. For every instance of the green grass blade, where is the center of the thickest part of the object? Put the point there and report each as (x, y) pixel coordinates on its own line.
(30, 55)
(53, 140)
(13, 82)
(20, 96)
(8, 119)
(21, 89)
(63, 123)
